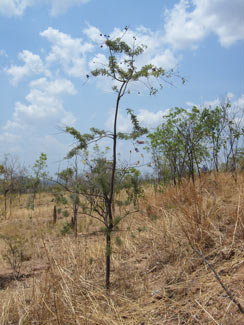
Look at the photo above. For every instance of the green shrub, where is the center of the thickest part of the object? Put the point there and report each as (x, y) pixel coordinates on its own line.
(67, 228)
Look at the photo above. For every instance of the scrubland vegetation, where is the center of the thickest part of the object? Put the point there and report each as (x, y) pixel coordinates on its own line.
(49, 277)
(100, 243)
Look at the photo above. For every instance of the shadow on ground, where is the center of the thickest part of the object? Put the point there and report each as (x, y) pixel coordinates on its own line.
(7, 279)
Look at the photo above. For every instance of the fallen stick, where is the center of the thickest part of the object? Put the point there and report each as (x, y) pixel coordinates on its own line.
(232, 298)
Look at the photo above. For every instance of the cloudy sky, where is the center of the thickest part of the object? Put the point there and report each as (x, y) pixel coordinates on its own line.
(48, 47)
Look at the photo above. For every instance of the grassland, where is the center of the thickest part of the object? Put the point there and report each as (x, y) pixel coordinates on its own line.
(157, 275)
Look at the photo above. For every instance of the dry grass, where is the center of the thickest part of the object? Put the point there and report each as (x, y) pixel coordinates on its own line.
(157, 278)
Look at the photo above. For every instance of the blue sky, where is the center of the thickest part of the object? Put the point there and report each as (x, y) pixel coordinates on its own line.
(47, 47)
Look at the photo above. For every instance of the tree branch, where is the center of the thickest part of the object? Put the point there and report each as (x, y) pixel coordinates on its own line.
(230, 295)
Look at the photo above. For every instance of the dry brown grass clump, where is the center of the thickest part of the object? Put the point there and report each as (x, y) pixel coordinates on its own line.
(157, 275)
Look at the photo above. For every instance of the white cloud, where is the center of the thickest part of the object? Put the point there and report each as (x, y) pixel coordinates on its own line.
(213, 102)
(145, 117)
(44, 107)
(235, 111)
(167, 60)
(13, 8)
(55, 87)
(155, 51)
(73, 55)
(190, 21)
(94, 34)
(239, 102)
(60, 6)
(32, 65)
(67, 51)
(18, 7)
(34, 124)
(70, 53)
(98, 62)
(10, 142)
(150, 119)
(229, 97)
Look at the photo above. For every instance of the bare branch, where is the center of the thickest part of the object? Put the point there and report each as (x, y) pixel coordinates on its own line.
(230, 295)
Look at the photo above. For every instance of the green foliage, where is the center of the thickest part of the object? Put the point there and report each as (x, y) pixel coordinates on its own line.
(83, 140)
(60, 198)
(91, 260)
(118, 241)
(137, 130)
(67, 191)
(187, 139)
(214, 122)
(40, 166)
(65, 213)
(180, 140)
(67, 228)
(66, 174)
(132, 186)
(103, 230)
(117, 221)
(100, 175)
(102, 178)
(39, 170)
(126, 56)
(74, 197)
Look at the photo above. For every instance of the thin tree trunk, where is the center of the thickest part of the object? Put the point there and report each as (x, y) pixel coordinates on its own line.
(54, 214)
(192, 167)
(108, 258)
(5, 203)
(10, 204)
(75, 220)
(109, 203)
(216, 161)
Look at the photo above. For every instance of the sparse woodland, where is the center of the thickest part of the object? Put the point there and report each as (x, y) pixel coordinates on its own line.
(103, 243)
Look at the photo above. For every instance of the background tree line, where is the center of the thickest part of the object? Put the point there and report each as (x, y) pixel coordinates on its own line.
(189, 142)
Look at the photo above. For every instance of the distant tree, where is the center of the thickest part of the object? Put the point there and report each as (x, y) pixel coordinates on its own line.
(9, 172)
(166, 145)
(224, 128)
(39, 173)
(180, 140)
(234, 139)
(214, 121)
(187, 139)
(100, 190)
(68, 182)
